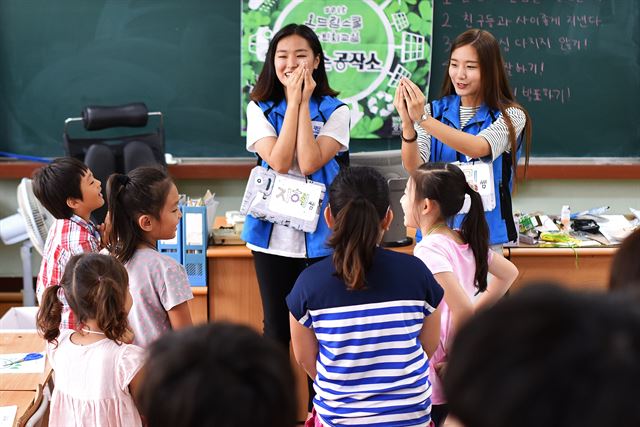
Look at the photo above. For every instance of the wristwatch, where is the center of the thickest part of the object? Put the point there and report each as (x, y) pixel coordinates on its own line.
(424, 117)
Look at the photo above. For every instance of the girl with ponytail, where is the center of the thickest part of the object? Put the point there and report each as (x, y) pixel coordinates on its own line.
(364, 322)
(96, 371)
(143, 208)
(459, 259)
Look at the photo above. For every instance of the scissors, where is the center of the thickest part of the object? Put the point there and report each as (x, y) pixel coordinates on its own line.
(26, 358)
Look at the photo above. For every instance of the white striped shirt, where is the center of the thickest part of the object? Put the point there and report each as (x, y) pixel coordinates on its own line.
(372, 369)
(497, 134)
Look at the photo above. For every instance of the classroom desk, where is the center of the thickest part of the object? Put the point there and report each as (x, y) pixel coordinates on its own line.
(579, 268)
(22, 399)
(198, 305)
(234, 294)
(20, 389)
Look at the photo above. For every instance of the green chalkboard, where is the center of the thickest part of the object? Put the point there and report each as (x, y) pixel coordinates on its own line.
(574, 64)
(183, 58)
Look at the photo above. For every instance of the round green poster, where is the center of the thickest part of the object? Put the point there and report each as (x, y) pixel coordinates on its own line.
(368, 46)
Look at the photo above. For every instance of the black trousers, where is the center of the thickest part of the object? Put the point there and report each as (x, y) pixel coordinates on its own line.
(276, 277)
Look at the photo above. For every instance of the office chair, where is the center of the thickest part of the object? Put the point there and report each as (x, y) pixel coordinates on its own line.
(105, 155)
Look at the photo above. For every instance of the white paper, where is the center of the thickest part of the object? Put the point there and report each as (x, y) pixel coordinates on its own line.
(615, 228)
(193, 228)
(29, 367)
(8, 415)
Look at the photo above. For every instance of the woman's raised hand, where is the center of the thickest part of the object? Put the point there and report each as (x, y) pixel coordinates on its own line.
(309, 84)
(414, 98)
(293, 86)
(401, 105)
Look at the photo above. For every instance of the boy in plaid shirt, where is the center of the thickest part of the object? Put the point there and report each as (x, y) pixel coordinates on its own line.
(68, 190)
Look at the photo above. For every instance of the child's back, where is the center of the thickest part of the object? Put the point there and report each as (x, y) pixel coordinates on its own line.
(95, 371)
(365, 321)
(369, 346)
(92, 382)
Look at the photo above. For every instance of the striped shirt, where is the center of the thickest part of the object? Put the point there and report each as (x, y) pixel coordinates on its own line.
(497, 134)
(372, 369)
(67, 237)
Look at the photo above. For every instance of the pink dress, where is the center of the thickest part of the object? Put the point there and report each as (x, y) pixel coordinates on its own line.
(440, 254)
(92, 383)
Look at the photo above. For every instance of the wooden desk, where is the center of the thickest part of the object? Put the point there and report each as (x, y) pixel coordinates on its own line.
(22, 399)
(21, 389)
(198, 305)
(579, 268)
(23, 342)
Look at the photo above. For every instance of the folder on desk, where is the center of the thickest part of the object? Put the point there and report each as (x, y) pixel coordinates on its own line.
(195, 238)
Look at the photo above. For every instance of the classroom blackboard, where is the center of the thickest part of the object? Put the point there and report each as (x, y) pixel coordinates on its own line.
(575, 65)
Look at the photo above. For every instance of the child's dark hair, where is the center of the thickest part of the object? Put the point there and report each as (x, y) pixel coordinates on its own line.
(58, 181)
(226, 375)
(446, 184)
(141, 192)
(269, 88)
(359, 201)
(544, 357)
(95, 287)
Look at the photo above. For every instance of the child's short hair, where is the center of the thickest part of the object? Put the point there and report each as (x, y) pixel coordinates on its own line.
(217, 375)
(547, 357)
(54, 183)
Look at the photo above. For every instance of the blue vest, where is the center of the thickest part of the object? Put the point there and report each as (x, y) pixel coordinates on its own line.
(258, 232)
(500, 220)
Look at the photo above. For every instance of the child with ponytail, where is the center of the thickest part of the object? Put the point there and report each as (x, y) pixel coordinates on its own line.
(143, 208)
(458, 259)
(364, 321)
(96, 372)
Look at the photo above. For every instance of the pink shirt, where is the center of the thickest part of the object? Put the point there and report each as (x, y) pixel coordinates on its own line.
(441, 253)
(92, 383)
(157, 284)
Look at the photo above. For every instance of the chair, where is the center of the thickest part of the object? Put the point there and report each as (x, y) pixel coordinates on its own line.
(105, 155)
(35, 415)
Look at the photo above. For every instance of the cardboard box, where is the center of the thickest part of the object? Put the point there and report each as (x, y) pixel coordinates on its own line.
(20, 318)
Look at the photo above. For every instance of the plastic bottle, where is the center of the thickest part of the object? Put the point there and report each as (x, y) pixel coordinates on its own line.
(565, 215)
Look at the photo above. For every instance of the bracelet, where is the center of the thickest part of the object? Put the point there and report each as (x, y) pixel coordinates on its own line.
(408, 141)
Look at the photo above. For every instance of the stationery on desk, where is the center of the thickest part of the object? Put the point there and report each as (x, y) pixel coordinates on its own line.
(586, 229)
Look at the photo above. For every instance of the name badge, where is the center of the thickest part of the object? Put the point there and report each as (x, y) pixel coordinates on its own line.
(316, 126)
(480, 177)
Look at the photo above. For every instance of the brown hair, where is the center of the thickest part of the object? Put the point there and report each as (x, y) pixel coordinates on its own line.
(359, 201)
(496, 91)
(446, 184)
(95, 287)
(269, 88)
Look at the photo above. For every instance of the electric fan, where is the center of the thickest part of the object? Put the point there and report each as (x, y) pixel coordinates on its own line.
(30, 226)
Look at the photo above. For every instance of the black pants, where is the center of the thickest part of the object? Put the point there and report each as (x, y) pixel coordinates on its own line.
(101, 160)
(276, 277)
(439, 414)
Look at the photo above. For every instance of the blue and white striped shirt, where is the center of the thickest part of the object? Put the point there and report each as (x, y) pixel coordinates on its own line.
(372, 369)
